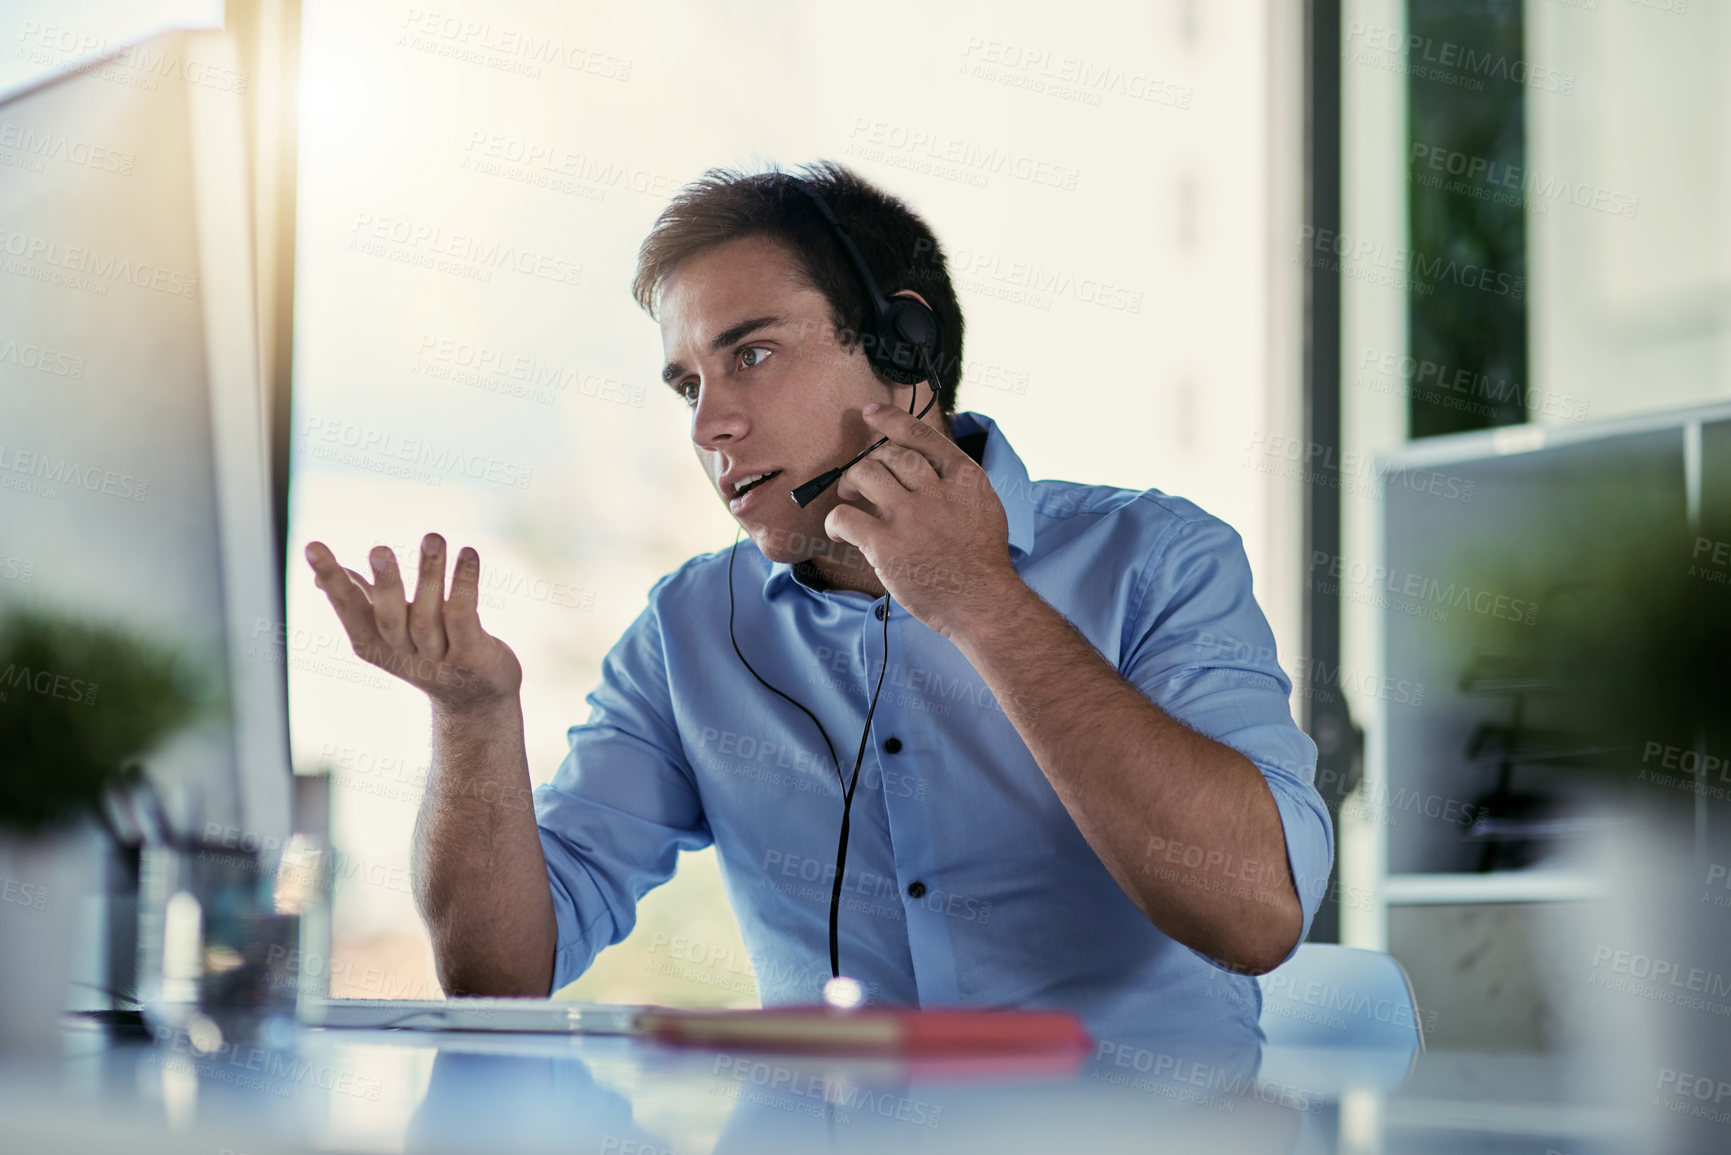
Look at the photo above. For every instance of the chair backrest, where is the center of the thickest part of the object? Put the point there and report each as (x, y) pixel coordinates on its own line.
(1339, 996)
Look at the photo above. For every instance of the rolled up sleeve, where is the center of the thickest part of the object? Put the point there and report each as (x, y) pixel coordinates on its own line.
(1198, 646)
(621, 806)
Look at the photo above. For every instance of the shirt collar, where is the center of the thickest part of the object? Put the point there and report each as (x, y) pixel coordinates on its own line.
(1004, 469)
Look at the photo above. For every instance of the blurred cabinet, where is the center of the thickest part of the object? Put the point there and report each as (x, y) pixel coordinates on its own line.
(1553, 605)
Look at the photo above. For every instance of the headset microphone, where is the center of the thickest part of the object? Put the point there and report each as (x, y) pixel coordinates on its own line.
(904, 343)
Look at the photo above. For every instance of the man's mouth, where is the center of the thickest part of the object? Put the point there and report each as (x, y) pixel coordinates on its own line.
(743, 490)
(746, 485)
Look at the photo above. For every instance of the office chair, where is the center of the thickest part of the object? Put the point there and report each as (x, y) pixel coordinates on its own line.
(1339, 996)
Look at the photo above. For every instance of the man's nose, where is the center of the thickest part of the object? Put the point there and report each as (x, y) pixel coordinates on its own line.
(718, 417)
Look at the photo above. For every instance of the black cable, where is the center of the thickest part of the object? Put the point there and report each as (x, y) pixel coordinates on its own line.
(848, 786)
(847, 798)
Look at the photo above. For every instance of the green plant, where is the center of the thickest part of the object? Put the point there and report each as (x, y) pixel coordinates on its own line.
(80, 702)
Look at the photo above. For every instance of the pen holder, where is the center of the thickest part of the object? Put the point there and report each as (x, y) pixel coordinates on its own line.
(215, 952)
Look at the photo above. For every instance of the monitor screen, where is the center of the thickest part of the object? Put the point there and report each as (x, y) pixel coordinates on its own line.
(133, 486)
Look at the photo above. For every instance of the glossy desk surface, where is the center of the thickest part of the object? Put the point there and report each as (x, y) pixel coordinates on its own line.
(468, 1092)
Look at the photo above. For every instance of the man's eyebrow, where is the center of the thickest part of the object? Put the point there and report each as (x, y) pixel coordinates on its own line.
(721, 341)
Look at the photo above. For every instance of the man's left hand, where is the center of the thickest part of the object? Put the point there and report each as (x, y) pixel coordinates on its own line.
(938, 539)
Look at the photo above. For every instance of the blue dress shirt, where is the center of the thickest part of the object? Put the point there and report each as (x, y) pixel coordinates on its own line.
(967, 882)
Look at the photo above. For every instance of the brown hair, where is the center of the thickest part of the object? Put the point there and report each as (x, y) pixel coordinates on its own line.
(902, 252)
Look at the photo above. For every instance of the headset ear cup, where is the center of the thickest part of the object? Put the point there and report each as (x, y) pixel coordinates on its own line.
(907, 341)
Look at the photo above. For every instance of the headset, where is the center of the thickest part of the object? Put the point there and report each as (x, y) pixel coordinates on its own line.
(903, 343)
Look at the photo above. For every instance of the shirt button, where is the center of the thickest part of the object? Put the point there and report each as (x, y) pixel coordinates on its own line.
(893, 745)
(916, 889)
(879, 611)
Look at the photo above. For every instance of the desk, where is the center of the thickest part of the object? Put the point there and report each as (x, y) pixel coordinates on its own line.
(383, 1091)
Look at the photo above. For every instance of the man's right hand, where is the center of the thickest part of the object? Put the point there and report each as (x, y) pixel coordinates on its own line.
(435, 644)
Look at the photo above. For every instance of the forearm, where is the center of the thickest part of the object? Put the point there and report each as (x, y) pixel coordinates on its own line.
(1141, 785)
(479, 875)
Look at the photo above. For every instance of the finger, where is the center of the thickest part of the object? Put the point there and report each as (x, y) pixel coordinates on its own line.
(348, 600)
(427, 616)
(856, 527)
(323, 562)
(463, 608)
(390, 606)
(913, 470)
(876, 483)
(902, 429)
(360, 583)
(846, 490)
(325, 568)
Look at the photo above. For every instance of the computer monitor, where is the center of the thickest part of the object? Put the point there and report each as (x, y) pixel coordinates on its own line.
(133, 480)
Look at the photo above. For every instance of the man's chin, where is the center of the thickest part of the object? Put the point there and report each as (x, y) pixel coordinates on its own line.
(787, 544)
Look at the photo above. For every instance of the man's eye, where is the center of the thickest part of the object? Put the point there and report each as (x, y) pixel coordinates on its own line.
(747, 360)
(687, 390)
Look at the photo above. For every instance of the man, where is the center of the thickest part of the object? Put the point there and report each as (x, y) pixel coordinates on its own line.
(1081, 785)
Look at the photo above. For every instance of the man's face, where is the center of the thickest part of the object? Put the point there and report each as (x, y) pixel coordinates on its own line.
(753, 350)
